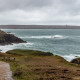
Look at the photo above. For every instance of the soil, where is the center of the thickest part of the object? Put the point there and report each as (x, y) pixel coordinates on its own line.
(5, 72)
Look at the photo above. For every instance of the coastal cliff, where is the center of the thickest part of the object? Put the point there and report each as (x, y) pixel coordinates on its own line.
(38, 65)
(6, 38)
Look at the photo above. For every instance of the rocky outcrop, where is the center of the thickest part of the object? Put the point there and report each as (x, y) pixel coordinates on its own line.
(9, 38)
(76, 61)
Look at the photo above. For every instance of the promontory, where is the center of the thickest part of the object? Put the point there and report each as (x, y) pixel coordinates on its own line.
(6, 38)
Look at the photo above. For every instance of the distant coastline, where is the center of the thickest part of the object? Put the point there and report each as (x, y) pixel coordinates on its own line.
(39, 27)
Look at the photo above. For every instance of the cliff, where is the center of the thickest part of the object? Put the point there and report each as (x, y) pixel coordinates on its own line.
(9, 38)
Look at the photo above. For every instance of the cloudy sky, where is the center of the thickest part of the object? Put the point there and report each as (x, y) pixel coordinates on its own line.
(42, 12)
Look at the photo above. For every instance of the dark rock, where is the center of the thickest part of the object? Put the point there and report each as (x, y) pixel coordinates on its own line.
(63, 77)
(76, 61)
(76, 56)
(9, 39)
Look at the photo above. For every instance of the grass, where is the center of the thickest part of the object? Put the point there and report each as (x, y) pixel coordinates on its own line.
(38, 65)
(29, 52)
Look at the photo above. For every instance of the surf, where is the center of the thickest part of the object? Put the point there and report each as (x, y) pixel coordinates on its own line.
(46, 37)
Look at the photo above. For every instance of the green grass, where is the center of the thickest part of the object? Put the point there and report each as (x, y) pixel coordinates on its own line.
(26, 61)
(35, 65)
(29, 52)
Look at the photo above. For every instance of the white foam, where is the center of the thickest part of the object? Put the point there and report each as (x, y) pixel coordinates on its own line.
(70, 57)
(51, 36)
(15, 46)
(12, 33)
(37, 37)
(59, 37)
(5, 29)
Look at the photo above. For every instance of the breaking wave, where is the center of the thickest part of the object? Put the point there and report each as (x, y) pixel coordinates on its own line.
(47, 37)
(70, 57)
(15, 46)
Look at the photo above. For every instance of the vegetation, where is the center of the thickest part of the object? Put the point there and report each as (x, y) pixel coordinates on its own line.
(38, 65)
(29, 52)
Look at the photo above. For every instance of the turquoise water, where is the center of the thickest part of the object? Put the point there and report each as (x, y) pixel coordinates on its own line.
(63, 42)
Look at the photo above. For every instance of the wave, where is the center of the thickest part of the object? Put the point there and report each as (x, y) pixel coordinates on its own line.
(47, 37)
(15, 46)
(58, 36)
(12, 33)
(70, 57)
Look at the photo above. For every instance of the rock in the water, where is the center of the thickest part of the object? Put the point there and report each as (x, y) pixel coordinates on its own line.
(76, 61)
(9, 38)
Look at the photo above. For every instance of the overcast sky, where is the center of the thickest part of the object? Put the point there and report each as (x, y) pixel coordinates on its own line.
(47, 12)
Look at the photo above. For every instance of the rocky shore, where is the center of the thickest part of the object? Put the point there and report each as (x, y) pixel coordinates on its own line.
(6, 38)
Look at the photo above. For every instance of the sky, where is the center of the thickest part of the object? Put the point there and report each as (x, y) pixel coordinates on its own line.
(39, 12)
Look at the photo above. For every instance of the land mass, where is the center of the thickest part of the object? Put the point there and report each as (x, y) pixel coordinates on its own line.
(6, 38)
(38, 65)
(39, 27)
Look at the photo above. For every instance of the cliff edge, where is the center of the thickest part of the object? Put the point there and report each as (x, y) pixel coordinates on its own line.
(6, 38)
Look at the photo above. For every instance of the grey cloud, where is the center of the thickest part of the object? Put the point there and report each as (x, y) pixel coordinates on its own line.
(71, 7)
(23, 4)
(63, 6)
(39, 11)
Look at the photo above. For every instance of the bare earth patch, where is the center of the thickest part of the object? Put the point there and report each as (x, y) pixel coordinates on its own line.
(5, 73)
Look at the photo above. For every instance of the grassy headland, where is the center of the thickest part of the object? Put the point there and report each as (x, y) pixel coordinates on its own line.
(38, 65)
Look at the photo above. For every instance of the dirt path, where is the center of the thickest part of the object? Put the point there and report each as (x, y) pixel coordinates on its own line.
(5, 73)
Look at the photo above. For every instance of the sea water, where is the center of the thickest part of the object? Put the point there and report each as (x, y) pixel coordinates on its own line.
(63, 42)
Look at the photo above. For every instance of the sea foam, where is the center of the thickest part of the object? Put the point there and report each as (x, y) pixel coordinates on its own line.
(70, 57)
(47, 37)
(15, 46)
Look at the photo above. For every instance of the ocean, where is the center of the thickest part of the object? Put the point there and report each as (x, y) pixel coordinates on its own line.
(63, 42)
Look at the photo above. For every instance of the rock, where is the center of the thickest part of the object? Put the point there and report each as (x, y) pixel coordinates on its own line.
(76, 56)
(9, 38)
(76, 61)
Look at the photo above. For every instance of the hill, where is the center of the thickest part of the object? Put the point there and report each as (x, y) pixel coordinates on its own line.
(39, 27)
(38, 65)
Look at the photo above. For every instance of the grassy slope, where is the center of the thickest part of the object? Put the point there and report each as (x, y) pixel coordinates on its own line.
(37, 65)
